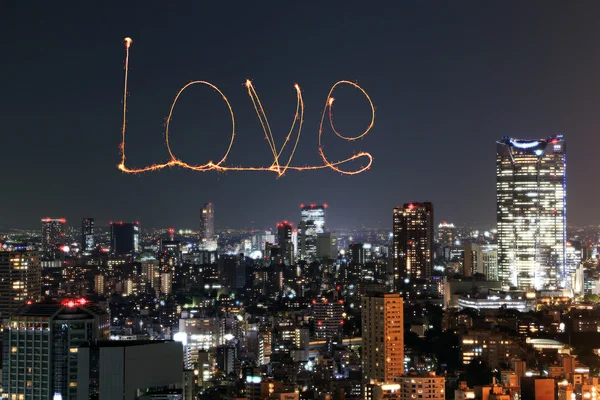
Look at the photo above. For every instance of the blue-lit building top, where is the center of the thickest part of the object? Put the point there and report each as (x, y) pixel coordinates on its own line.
(531, 212)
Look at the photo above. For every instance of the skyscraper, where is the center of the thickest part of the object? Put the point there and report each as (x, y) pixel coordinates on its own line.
(531, 211)
(53, 235)
(382, 337)
(20, 278)
(413, 241)
(312, 222)
(125, 237)
(40, 348)
(87, 234)
(284, 237)
(207, 222)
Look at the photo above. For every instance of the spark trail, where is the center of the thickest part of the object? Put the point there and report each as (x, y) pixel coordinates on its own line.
(277, 167)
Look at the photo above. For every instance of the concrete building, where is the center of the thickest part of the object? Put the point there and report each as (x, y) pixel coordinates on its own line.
(20, 278)
(41, 344)
(114, 370)
(382, 337)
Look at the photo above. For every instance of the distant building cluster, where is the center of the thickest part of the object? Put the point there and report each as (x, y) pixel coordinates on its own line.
(422, 309)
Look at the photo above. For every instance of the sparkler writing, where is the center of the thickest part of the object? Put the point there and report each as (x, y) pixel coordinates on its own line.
(278, 166)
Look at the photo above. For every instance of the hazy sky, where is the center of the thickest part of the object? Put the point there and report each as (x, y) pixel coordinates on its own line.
(448, 80)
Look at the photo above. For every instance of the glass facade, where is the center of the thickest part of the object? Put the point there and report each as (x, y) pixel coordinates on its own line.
(312, 222)
(531, 212)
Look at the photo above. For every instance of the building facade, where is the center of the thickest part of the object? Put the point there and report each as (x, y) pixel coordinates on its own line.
(87, 235)
(531, 212)
(125, 238)
(412, 242)
(382, 337)
(284, 237)
(41, 343)
(53, 235)
(312, 222)
(207, 222)
(20, 278)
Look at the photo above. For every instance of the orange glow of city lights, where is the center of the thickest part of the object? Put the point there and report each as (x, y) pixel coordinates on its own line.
(279, 166)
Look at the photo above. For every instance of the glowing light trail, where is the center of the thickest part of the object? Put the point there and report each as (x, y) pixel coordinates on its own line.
(277, 167)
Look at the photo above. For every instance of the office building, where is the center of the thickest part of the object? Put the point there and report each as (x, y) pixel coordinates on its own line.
(53, 235)
(531, 212)
(382, 337)
(41, 342)
(327, 246)
(207, 222)
(446, 234)
(357, 253)
(125, 238)
(428, 386)
(412, 242)
(20, 278)
(119, 370)
(286, 246)
(312, 222)
(151, 273)
(328, 318)
(87, 235)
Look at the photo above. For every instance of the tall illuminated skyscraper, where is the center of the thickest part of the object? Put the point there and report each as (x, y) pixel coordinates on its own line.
(53, 234)
(413, 242)
(207, 222)
(87, 234)
(531, 210)
(312, 222)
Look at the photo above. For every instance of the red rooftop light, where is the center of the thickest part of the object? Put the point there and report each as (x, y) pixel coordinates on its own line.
(74, 302)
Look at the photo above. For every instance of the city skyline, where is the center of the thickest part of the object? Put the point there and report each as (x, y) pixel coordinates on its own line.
(485, 85)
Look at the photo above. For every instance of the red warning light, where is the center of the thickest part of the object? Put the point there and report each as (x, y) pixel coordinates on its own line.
(314, 301)
(554, 141)
(411, 206)
(325, 205)
(320, 323)
(342, 322)
(171, 230)
(29, 302)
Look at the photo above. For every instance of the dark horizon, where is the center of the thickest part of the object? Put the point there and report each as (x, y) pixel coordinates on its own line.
(447, 81)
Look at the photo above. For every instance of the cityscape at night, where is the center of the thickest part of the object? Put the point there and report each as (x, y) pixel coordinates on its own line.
(300, 201)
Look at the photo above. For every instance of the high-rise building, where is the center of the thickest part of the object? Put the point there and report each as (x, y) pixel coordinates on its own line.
(413, 242)
(40, 348)
(207, 222)
(87, 234)
(357, 253)
(125, 237)
(169, 259)
(312, 222)
(53, 235)
(531, 211)
(328, 317)
(327, 245)
(151, 272)
(446, 233)
(284, 237)
(20, 278)
(382, 337)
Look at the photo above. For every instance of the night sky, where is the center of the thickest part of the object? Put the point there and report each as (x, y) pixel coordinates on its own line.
(448, 80)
